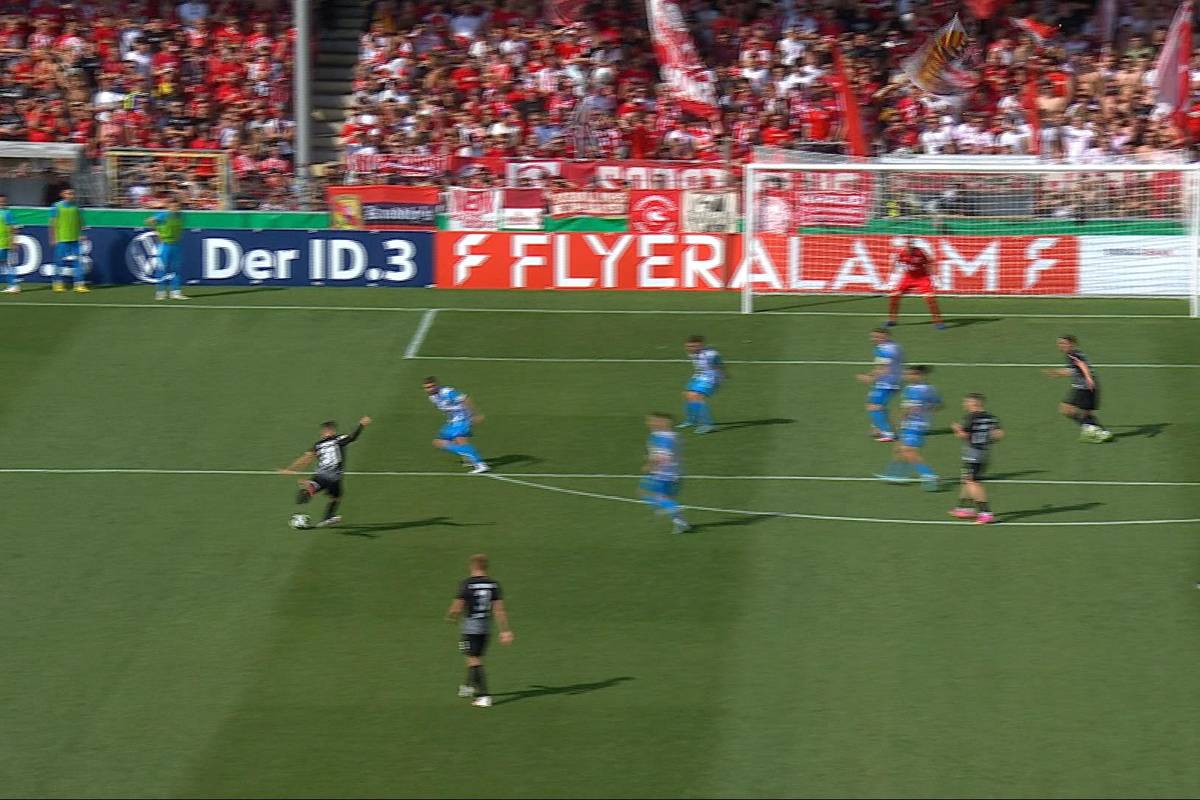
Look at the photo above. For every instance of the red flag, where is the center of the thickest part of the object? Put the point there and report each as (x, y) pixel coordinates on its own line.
(848, 103)
(1171, 78)
(564, 12)
(985, 9)
(691, 83)
(1029, 96)
(1040, 31)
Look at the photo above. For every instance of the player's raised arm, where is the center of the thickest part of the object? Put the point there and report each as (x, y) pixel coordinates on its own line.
(300, 463)
(501, 615)
(362, 423)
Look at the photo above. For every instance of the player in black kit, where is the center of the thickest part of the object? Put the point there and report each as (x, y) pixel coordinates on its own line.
(329, 452)
(1083, 400)
(477, 601)
(978, 430)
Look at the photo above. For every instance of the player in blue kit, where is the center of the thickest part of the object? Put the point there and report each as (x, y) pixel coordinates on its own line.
(708, 371)
(918, 402)
(455, 435)
(884, 381)
(660, 486)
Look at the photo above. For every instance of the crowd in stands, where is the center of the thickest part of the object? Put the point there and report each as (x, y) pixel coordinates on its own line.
(480, 78)
(151, 74)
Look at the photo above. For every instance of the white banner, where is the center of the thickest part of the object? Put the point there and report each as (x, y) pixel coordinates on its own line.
(710, 212)
(1135, 265)
(691, 83)
(473, 209)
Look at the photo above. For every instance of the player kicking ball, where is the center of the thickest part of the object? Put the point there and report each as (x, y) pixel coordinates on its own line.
(330, 455)
(1083, 400)
(918, 402)
(660, 486)
(917, 279)
(978, 430)
(455, 435)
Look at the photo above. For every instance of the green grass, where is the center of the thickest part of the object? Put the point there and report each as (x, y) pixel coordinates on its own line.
(168, 635)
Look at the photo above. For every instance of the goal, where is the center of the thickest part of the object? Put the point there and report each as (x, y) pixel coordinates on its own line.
(146, 178)
(1000, 229)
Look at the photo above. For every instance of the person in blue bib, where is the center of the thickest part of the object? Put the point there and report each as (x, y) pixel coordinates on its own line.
(708, 372)
(66, 235)
(168, 273)
(663, 471)
(8, 232)
(918, 402)
(884, 381)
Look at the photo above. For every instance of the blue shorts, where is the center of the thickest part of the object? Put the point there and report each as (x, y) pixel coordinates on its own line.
(704, 386)
(879, 396)
(169, 257)
(911, 437)
(668, 487)
(66, 250)
(4, 265)
(454, 430)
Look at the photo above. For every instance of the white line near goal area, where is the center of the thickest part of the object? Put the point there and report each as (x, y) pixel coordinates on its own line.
(200, 305)
(782, 362)
(558, 475)
(418, 339)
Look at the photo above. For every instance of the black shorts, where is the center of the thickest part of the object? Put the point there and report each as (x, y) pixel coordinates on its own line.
(1086, 399)
(973, 470)
(473, 644)
(332, 487)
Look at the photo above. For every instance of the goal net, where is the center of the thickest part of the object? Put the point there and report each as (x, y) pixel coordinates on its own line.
(147, 178)
(990, 228)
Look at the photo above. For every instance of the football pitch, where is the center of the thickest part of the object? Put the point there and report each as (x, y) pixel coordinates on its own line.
(165, 633)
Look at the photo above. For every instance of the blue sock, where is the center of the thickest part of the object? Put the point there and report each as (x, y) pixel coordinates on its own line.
(176, 281)
(880, 421)
(470, 452)
(693, 411)
(79, 272)
(669, 505)
(924, 470)
(12, 276)
(703, 414)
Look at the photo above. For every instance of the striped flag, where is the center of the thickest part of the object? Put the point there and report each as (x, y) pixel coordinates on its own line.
(937, 66)
(1040, 31)
(1172, 80)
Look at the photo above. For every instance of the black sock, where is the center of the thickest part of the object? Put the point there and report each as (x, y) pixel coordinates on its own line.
(1080, 417)
(1090, 419)
(302, 497)
(982, 506)
(331, 509)
(470, 677)
(480, 682)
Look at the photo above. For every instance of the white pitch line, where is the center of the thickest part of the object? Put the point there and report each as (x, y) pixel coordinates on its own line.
(833, 518)
(559, 475)
(784, 362)
(418, 338)
(201, 306)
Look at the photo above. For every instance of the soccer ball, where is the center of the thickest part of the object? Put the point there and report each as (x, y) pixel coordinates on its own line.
(299, 521)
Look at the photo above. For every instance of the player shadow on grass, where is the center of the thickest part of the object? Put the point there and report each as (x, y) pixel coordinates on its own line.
(1013, 516)
(513, 458)
(733, 522)
(243, 290)
(722, 427)
(373, 529)
(1149, 430)
(963, 323)
(539, 690)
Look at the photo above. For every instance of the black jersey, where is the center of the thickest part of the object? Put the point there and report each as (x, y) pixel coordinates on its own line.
(331, 454)
(1076, 362)
(978, 425)
(478, 594)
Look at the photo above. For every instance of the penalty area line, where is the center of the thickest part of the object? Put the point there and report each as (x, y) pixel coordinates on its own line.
(418, 339)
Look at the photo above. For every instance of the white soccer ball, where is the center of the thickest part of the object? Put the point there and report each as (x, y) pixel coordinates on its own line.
(299, 521)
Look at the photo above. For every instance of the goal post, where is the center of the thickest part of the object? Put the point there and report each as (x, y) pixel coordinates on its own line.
(138, 178)
(1122, 230)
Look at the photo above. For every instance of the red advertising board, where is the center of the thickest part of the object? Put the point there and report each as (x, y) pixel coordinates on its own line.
(704, 262)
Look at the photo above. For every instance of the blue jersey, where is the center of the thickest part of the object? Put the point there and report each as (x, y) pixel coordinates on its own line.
(918, 401)
(453, 404)
(706, 364)
(889, 356)
(663, 452)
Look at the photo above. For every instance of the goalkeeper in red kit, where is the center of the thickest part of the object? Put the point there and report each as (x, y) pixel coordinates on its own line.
(917, 279)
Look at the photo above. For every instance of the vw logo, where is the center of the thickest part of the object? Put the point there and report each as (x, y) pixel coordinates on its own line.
(141, 256)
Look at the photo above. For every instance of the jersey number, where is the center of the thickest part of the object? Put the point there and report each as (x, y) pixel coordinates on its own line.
(483, 599)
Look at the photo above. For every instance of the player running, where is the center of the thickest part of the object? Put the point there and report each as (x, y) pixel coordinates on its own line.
(169, 270)
(478, 600)
(978, 430)
(884, 380)
(660, 486)
(708, 372)
(918, 279)
(66, 232)
(8, 229)
(330, 455)
(918, 402)
(455, 435)
(1083, 400)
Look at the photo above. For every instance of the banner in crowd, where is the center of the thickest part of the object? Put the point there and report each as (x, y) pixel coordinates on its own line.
(691, 83)
(654, 210)
(357, 207)
(937, 66)
(523, 209)
(641, 174)
(243, 257)
(790, 200)
(701, 261)
(409, 165)
(675, 211)
(589, 204)
(710, 212)
(472, 209)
